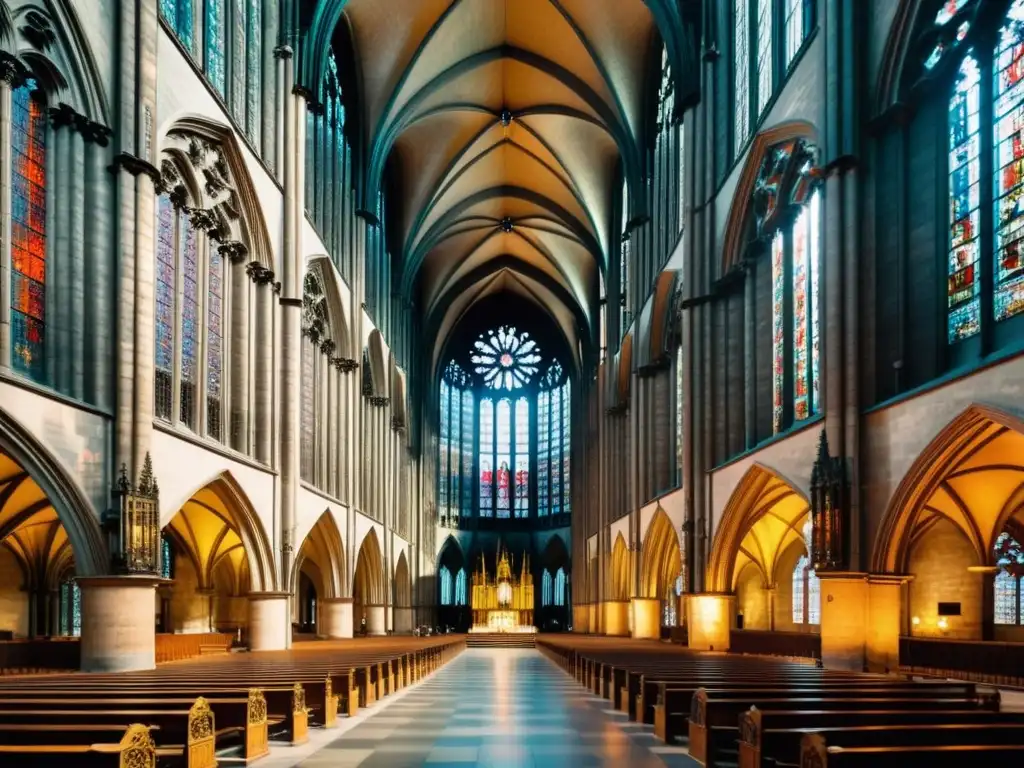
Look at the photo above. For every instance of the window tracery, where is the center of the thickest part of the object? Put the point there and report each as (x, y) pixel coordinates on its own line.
(505, 358)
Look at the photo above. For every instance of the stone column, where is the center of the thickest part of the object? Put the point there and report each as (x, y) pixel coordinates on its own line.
(117, 623)
(7, 74)
(264, 389)
(646, 618)
(269, 621)
(749, 360)
(844, 614)
(402, 621)
(336, 613)
(376, 619)
(884, 622)
(241, 315)
(616, 617)
(710, 619)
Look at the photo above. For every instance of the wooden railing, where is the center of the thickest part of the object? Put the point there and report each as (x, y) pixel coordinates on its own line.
(797, 645)
(980, 661)
(31, 656)
(179, 647)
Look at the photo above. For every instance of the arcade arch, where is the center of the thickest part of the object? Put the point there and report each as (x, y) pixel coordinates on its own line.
(369, 592)
(318, 575)
(661, 565)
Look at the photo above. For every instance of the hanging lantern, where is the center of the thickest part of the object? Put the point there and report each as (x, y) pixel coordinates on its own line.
(138, 548)
(829, 511)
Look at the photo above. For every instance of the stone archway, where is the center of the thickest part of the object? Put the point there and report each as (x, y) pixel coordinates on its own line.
(322, 559)
(369, 592)
(941, 527)
(660, 567)
(402, 604)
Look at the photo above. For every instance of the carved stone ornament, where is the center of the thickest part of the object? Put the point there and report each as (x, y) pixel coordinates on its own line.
(829, 510)
(38, 31)
(12, 70)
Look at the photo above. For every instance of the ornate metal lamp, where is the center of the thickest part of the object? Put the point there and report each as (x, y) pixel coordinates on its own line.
(829, 510)
(136, 549)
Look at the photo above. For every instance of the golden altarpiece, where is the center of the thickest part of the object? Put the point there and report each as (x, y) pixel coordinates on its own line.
(505, 604)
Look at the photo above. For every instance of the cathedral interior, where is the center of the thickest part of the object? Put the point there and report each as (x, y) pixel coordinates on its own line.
(368, 332)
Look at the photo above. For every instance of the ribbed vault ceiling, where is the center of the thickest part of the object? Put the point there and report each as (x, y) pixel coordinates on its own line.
(503, 124)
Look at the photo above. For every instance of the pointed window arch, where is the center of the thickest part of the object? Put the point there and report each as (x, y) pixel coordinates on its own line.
(560, 587)
(806, 593)
(1009, 557)
(460, 588)
(446, 585)
(522, 460)
(547, 587)
(28, 231)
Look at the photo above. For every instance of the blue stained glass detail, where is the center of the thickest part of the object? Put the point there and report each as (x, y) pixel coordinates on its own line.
(543, 446)
(965, 173)
(545, 590)
(216, 41)
(566, 461)
(189, 302)
(503, 460)
(460, 588)
(560, 587)
(254, 68)
(522, 476)
(1009, 163)
(165, 269)
(556, 452)
(28, 231)
(486, 458)
(467, 453)
(178, 14)
(505, 358)
(214, 331)
(239, 27)
(446, 586)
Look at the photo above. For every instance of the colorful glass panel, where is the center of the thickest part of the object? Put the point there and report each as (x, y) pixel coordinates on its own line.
(1009, 162)
(798, 589)
(764, 54)
(741, 76)
(778, 329)
(794, 28)
(505, 358)
(556, 452)
(813, 598)
(446, 586)
(503, 457)
(566, 453)
(964, 177)
(214, 329)
(28, 231)
(238, 64)
(466, 502)
(543, 442)
(522, 478)
(178, 14)
(215, 32)
(460, 587)
(801, 352)
(165, 278)
(546, 588)
(76, 610)
(442, 470)
(308, 411)
(486, 458)
(814, 262)
(1005, 598)
(254, 67)
(455, 441)
(949, 9)
(560, 587)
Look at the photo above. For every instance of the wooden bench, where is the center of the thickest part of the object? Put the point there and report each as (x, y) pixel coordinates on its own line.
(816, 752)
(135, 749)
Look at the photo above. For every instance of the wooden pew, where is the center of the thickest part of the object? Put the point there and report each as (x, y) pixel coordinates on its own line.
(777, 735)
(135, 749)
(815, 752)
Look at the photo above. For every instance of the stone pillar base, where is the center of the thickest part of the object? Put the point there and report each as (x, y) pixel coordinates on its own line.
(336, 614)
(402, 622)
(616, 618)
(375, 619)
(710, 619)
(269, 621)
(594, 618)
(646, 618)
(581, 619)
(860, 621)
(118, 631)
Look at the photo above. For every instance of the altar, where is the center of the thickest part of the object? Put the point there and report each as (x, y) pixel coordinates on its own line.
(506, 603)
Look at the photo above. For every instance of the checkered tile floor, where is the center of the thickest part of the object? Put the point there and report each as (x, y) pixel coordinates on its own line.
(500, 708)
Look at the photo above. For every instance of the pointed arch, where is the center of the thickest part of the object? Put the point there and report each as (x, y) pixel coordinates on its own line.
(403, 583)
(218, 521)
(192, 144)
(368, 586)
(378, 358)
(736, 227)
(661, 561)
(763, 516)
(36, 471)
(620, 569)
(325, 547)
(556, 554)
(330, 284)
(971, 473)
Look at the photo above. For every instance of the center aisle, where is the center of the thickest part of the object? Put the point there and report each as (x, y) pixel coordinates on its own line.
(501, 708)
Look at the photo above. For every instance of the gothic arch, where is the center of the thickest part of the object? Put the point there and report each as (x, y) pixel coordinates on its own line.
(378, 359)
(368, 584)
(971, 473)
(620, 569)
(60, 491)
(764, 515)
(403, 583)
(741, 209)
(661, 559)
(325, 547)
(399, 405)
(209, 151)
(238, 525)
(328, 282)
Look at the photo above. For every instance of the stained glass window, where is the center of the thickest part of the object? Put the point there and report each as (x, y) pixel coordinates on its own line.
(801, 315)
(505, 358)
(522, 478)
(254, 66)
(546, 588)
(764, 53)
(468, 424)
(964, 180)
(486, 458)
(28, 231)
(214, 344)
(1005, 598)
(308, 412)
(814, 267)
(813, 598)
(566, 487)
(556, 455)
(799, 581)
(446, 586)
(166, 557)
(560, 587)
(503, 459)
(166, 270)
(680, 405)
(778, 329)
(189, 321)
(1008, 280)
(1009, 557)
(76, 610)
(455, 443)
(239, 27)
(543, 443)
(460, 588)
(178, 14)
(795, 31)
(215, 33)
(741, 76)
(442, 472)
